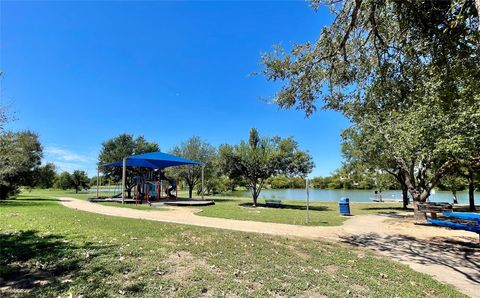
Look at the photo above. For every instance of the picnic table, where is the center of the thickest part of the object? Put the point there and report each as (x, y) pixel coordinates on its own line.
(433, 208)
(273, 203)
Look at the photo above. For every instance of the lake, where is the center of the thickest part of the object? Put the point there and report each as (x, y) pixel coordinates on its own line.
(333, 195)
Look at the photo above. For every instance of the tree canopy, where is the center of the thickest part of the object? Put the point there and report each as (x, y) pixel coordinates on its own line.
(199, 150)
(261, 158)
(20, 156)
(404, 72)
(121, 146)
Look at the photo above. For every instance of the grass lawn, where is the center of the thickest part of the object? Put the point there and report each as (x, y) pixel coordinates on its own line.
(292, 212)
(49, 251)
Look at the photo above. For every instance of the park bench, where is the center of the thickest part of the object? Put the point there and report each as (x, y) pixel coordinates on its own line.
(433, 208)
(273, 203)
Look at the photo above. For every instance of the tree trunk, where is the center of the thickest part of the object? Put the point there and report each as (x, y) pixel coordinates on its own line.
(405, 196)
(477, 5)
(76, 190)
(3, 192)
(454, 194)
(471, 190)
(190, 191)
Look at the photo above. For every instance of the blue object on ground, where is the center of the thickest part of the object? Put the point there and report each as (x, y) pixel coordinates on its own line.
(466, 216)
(454, 225)
(344, 206)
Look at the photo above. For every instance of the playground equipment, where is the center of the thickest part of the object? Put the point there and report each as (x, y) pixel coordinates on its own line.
(152, 184)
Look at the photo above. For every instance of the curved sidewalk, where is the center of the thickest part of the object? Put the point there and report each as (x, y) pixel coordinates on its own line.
(449, 256)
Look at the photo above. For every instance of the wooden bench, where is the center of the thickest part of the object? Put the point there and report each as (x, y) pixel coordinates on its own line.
(273, 203)
(433, 208)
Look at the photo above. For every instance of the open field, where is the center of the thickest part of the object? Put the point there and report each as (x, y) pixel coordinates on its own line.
(292, 212)
(48, 250)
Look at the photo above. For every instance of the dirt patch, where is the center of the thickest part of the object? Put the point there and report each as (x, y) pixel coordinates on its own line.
(330, 269)
(181, 264)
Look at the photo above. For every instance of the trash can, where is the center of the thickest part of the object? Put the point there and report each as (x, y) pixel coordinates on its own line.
(344, 206)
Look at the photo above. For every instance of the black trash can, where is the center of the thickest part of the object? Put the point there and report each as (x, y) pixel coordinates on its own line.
(344, 206)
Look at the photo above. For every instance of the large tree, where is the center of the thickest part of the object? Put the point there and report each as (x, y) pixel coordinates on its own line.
(64, 181)
(79, 180)
(20, 155)
(261, 158)
(406, 74)
(45, 176)
(198, 150)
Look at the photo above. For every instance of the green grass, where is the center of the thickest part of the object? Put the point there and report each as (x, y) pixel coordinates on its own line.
(292, 212)
(69, 252)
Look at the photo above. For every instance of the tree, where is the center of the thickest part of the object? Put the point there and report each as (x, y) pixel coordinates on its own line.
(404, 72)
(117, 148)
(259, 159)
(198, 150)
(20, 155)
(63, 181)
(45, 176)
(79, 180)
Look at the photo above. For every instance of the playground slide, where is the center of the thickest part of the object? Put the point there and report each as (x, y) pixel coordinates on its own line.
(119, 195)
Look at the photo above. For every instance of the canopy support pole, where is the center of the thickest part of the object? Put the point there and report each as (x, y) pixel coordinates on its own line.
(203, 180)
(308, 199)
(124, 173)
(98, 179)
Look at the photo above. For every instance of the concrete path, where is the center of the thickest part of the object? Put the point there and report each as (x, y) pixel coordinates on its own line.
(449, 256)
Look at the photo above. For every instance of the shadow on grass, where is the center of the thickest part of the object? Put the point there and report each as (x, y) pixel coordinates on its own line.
(22, 202)
(221, 200)
(462, 257)
(288, 206)
(31, 262)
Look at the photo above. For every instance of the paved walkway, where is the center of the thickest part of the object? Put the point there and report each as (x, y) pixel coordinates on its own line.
(449, 256)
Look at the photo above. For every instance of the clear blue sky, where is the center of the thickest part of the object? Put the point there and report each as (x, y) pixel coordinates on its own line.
(80, 73)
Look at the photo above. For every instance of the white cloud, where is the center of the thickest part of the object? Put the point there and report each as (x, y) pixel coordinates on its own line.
(66, 155)
(69, 161)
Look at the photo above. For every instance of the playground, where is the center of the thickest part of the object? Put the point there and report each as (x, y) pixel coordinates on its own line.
(148, 182)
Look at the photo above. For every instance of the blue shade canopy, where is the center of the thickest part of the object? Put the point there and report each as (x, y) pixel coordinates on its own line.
(153, 160)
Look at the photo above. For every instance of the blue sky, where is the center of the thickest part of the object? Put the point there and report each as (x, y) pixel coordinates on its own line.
(78, 73)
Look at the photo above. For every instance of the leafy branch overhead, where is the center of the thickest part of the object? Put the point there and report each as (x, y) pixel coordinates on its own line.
(404, 72)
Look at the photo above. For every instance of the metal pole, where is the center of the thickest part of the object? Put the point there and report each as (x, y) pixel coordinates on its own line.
(203, 181)
(98, 179)
(308, 199)
(124, 174)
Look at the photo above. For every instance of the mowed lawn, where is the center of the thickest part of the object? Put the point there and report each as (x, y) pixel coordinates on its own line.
(47, 250)
(291, 212)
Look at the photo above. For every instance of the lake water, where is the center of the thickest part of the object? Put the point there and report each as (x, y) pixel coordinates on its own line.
(333, 195)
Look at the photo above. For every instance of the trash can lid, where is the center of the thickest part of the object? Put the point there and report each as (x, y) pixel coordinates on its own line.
(344, 200)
